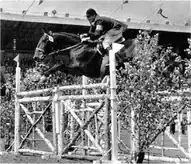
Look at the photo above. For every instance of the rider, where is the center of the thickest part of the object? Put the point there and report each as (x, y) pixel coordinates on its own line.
(104, 29)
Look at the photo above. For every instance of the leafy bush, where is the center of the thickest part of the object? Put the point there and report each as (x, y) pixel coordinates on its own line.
(152, 70)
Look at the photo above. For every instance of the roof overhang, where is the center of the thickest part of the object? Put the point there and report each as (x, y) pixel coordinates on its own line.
(163, 15)
(43, 19)
(84, 22)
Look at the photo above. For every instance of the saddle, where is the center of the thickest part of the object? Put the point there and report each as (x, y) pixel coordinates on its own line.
(102, 51)
(120, 40)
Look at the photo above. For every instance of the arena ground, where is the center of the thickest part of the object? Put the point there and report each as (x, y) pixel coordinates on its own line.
(10, 158)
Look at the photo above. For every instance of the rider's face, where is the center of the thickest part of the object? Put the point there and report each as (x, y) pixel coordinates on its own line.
(90, 18)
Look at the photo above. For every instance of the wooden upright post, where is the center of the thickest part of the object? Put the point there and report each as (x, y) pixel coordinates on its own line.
(17, 107)
(179, 127)
(72, 121)
(58, 120)
(54, 125)
(114, 139)
(107, 133)
(189, 130)
(133, 140)
(61, 122)
(84, 92)
(115, 48)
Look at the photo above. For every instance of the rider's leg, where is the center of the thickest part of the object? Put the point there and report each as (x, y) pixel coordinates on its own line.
(100, 49)
(104, 66)
(105, 63)
(110, 37)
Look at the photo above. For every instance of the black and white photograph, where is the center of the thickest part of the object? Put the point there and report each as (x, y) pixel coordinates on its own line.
(95, 81)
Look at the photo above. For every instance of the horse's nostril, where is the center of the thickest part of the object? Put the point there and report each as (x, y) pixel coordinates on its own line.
(42, 57)
(36, 59)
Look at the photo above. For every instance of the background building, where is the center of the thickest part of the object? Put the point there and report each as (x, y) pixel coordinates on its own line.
(23, 19)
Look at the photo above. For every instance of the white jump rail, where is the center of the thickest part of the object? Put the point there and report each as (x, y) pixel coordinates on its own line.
(62, 88)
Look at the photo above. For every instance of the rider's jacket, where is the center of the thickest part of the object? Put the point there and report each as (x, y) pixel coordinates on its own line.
(102, 25)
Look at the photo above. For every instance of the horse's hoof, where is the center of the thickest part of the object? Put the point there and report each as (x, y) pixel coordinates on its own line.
(42, 79)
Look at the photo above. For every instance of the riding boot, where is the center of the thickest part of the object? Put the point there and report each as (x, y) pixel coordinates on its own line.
(107, 56)
(105, 63)
(101, 50)
(119, 61)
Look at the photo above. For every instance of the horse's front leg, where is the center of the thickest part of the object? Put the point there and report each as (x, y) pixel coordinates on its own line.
(52, 70)
(48, 72)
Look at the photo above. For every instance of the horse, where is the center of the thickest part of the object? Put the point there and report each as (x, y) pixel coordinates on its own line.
(76, 58)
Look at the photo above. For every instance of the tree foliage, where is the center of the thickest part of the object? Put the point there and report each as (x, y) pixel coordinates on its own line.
(154, 69)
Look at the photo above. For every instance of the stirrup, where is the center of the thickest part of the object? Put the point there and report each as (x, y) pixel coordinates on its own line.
(100, 52)
(120, 40)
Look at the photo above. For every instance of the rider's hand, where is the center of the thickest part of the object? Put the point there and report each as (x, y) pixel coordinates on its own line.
(83, 36)
(85, 39)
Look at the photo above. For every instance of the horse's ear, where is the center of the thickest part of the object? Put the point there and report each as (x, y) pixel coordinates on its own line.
(50, 33)
(43, 30)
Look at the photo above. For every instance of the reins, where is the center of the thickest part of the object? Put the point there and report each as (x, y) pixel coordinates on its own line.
(65, 49)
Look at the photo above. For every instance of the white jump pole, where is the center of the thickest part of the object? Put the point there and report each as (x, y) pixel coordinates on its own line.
(60, 136)
(17, 107)
(58, 122)
(133, 135)
(84, 92)
(189, 130)
(54, 125)
(179, 127)
(115, 48)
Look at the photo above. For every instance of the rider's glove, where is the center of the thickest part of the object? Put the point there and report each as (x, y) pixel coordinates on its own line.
(83, 36)
(85, 39)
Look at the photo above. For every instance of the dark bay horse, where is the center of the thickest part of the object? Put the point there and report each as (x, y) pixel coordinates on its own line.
(71, 56)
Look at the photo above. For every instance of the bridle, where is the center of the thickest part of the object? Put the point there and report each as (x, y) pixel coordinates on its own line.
(40, 49)
(65, 49)
(57, 51)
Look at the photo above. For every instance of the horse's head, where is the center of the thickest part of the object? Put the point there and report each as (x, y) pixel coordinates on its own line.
(44, 46)
(50, 42)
